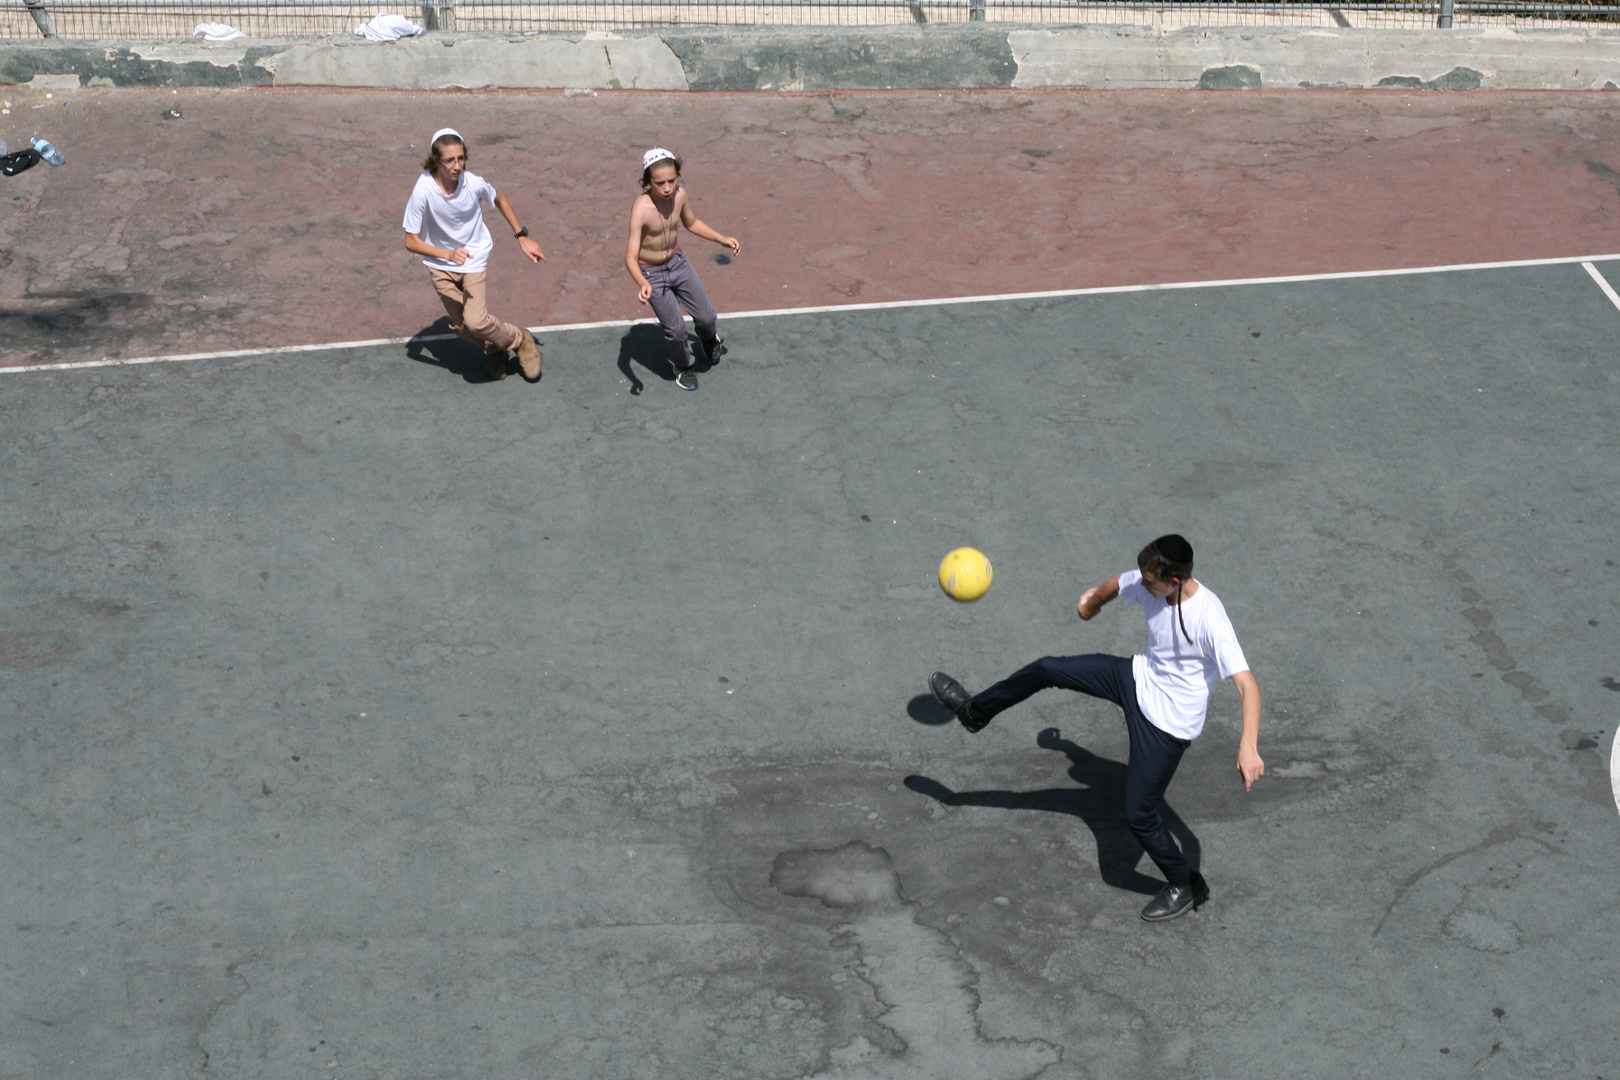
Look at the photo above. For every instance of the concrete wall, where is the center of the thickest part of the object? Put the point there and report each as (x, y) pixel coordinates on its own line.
(906, 57)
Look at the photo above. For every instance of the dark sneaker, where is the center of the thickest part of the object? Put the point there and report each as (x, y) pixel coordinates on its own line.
(686, 380)
(1174, 901)
(495, 366)
(954, 696)
(714, 349)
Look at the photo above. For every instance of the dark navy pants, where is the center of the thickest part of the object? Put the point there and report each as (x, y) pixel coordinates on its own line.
(1154, 753)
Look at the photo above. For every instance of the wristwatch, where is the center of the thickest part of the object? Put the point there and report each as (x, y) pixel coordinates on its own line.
(521, 233)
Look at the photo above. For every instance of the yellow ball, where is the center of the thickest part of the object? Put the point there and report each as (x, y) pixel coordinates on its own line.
(965, 575)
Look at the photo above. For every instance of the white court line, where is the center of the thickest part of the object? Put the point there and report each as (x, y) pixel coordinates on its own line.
(1608, 290)
(1101, 290)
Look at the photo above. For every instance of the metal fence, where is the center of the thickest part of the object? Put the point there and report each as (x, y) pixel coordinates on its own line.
(274, 18)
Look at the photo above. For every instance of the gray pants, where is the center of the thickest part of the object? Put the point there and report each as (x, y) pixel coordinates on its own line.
(675, 285)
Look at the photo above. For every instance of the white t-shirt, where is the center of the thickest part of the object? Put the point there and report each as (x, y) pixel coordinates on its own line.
(452, 221)
(1173, 678)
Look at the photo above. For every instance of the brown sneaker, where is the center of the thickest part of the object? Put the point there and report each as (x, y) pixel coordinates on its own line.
(495, 366)
(528, 356)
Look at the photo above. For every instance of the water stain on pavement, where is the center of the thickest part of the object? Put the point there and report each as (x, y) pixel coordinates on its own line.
(23, 652)
(59, 319)
(1595, 785)
(916, 973)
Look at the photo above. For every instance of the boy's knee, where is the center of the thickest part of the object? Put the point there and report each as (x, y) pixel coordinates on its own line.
(1143, 820)
(1047, 667)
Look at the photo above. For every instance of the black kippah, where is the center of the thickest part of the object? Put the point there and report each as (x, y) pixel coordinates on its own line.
(1175, 549)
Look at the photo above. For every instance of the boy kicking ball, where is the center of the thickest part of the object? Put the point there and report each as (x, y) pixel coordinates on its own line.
(444, 221)
(1164, 693)
(660, 270)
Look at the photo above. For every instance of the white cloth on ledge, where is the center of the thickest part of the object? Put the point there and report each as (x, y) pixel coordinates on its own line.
(217, 31)
(386, 27)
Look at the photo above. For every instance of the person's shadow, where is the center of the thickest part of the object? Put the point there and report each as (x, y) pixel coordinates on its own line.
(643, 345)
(456, 356)
(1099, 801)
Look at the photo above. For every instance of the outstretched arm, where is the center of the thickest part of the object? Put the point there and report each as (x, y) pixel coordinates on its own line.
(1093, 599)
(1249, 763)
(530, 246)
(698, 228)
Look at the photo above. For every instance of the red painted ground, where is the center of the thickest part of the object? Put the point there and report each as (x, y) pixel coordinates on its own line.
(271, 217)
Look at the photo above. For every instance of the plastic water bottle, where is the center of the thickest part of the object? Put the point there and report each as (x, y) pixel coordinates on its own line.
(51, 154)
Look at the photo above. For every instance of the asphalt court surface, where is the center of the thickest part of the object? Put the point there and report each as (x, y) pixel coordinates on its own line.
(363, 718)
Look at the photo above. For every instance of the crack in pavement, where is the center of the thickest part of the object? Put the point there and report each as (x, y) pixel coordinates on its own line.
(1499, 835)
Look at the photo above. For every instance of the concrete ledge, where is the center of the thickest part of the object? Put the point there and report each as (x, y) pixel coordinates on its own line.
(1245, 58)
(847, 58)
(852, 58)
(443, 61)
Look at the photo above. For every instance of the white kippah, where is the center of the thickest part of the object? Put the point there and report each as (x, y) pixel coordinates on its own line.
(654, 156)
(446, 131)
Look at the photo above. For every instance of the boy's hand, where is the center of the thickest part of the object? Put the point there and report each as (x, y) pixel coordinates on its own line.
(531, 249)
(1088, 606)
(1097, 597)
(1250, 765)
(733, 243)
(644, 294)
(460, 255)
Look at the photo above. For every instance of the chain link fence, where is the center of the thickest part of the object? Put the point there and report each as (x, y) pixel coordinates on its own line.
(276, 18)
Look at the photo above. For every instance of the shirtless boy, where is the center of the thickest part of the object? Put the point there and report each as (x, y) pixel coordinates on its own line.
(444, 222)
(662, 274)
(1164, 693)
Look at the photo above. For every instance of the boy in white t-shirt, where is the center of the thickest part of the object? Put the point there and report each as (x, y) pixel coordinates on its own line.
(1164, 693)
(444, 221)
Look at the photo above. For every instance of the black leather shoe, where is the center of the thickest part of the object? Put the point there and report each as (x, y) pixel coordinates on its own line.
(1174, 901)
(954, 696)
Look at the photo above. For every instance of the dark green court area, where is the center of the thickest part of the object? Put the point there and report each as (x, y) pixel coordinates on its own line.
(361, 718)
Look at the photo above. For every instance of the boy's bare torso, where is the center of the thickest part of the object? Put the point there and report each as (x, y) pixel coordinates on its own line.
(660, 227)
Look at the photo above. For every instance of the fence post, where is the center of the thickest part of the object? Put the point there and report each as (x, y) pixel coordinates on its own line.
(42, 18)
(447, 14)
(976, 10)
(1447, 9)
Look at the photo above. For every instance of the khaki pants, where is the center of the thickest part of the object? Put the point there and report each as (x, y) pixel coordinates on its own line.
(463, 297)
